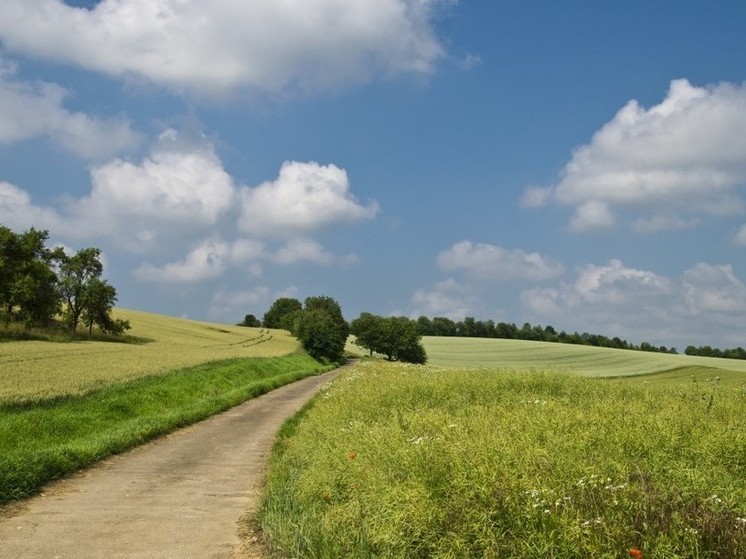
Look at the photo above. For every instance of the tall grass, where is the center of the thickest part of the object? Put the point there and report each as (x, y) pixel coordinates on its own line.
(401, 461)
(47, 440)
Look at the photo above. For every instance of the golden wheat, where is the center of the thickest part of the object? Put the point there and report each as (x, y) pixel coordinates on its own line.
(38, 370)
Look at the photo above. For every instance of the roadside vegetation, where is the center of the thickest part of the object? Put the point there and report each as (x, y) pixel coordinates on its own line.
(49, 439)
(404, 461)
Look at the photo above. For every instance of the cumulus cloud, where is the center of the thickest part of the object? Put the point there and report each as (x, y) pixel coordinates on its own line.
(714, 289)
(640, 305)
(304, 197)
(681, 158)
(205, 261)
(447, 298)
(29, 110)
(218, 47)
(486, 261)
(300, 250)
(173, 185)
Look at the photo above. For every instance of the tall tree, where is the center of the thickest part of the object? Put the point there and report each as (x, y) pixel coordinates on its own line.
(76, 277)
(27, 278)
(283, 313)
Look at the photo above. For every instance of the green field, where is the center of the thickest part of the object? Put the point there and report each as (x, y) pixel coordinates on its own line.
(584, 360)
(402, 461)
(42, 370)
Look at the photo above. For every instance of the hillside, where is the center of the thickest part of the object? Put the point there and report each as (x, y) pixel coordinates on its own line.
(48, 369)
(586, 360)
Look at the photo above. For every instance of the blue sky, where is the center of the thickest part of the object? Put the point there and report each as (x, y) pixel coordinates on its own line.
(579, 164)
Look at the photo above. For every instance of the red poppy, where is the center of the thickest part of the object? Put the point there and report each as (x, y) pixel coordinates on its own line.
(636, 553)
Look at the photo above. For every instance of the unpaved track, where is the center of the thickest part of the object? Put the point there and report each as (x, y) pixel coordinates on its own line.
(178, 497)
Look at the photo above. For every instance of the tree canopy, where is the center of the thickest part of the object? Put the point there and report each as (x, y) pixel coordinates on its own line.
(396, 337)
(38, 283)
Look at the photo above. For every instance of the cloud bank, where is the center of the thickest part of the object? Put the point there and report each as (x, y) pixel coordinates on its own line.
(214, 48)
(179, 205)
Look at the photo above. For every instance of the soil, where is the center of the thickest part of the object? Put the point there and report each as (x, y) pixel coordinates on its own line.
(189, 495)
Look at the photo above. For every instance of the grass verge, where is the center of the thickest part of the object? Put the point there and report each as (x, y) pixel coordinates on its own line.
(50, 439)
(398, 461)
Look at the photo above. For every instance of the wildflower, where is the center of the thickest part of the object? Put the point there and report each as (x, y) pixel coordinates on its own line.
(635, 553)
(325, 496)
(352, 455)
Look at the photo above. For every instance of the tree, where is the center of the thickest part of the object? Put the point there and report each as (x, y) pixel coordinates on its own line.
(98, 302)
(322, 329)
(75, 279)
(321, 335)
(396, 337)
(250, 321)
(283, 313)
(27, 279)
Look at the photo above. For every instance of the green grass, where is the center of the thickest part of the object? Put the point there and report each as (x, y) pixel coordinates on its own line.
(43, 441)
(401, 461)
(585, 360)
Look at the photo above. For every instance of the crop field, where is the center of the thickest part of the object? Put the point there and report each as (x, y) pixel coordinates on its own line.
(42, 370)
(402, 461)
(584, 360)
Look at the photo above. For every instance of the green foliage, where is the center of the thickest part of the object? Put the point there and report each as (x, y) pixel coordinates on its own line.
(45, 441)
(28, 290)
(396, 337)
(408, 462)
(250, 321)
(322, 330)
(282, 313)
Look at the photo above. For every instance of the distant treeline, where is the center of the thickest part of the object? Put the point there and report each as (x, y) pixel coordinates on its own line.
(471, 328)
(707, 351)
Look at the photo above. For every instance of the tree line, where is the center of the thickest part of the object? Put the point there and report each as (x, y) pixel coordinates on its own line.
(472, 328)
(38, 284)
(319, 325)
(707, 351)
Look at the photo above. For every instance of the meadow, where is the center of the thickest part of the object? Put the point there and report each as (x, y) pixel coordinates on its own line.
(64, 406)
(524, 461)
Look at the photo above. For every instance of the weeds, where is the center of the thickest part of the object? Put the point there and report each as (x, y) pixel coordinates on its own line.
(397, 461)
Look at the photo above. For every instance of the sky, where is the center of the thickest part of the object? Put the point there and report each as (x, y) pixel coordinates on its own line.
(576, 164)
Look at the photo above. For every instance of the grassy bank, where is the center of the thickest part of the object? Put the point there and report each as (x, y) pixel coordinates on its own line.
(46, 440)
(407, 462)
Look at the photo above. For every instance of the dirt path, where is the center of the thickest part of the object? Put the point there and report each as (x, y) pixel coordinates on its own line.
(178, 497)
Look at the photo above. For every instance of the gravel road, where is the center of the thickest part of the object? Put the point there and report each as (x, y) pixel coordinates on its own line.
(181, 496)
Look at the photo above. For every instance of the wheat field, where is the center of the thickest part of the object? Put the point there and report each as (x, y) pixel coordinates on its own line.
(42, 370)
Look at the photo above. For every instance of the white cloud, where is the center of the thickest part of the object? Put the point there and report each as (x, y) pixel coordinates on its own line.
(232, 306)
(740, 238)
(683, 157)
(486, 261)
(303, 198)
(217, 47)
(206, 261)
(303, 250)
(714, 289)
(640, 305)
(447, 298)
(28, 110)
(592, 215)
(663, 223)
(18, 212)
